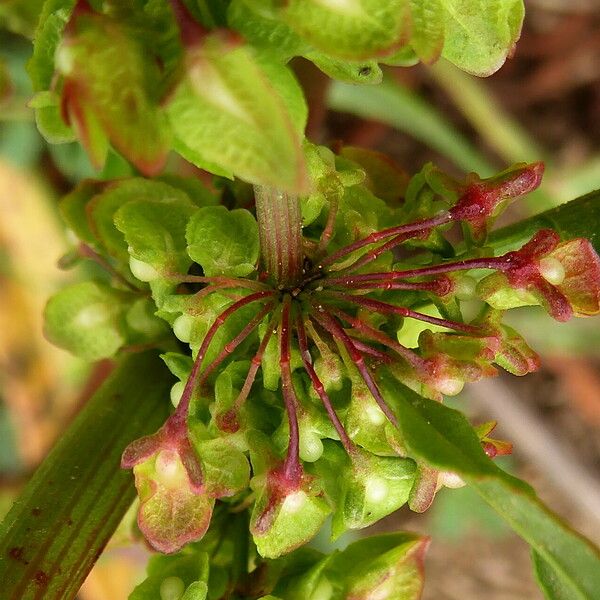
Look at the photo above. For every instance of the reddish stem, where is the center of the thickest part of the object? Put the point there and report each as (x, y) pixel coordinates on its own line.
(385, 308)
(235, 342)
(327, 232)
(499, 263)
(440, 286)
(319, 388)
(177, 421)
(86, 252)
(291, 468)
(366, 349)
(329, 322)
(409, 228)
(378, 336)
(254, 366)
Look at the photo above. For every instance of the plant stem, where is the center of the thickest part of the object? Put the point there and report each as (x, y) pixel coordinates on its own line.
(280, 232)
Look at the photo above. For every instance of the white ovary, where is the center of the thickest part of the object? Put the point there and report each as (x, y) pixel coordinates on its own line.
(294, 502)
(376, 489)
(552, 270)
(142, 270)
(182, 328)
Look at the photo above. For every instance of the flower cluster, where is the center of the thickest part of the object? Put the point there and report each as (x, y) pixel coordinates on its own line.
(302, 376)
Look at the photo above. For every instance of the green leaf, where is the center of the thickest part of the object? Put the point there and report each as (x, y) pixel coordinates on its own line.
(570, 560)
(85, 318)
(442, 437)
(154, 230)
(73, 209)
(263, 31)
(354, 29)
(427, 37)
(549, 580)
(103, 208)
(68, 511)
(480, 34)
(223, 242)
(109, 91)
(53, 20)
(240, 113)
(49, 120)
(575, 219)
(226, 469)
(366, 71)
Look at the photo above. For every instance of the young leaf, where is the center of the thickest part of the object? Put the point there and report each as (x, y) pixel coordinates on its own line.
(480, 34)
(223, 242)
(239, 113)
(85, 318)
(264, 31)
(108, 91)
(70, 508)
(427, 36)
(353, 29)
(102, 209)
(155, 230)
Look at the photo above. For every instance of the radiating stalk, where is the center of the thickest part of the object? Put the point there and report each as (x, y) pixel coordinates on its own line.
(280, 233)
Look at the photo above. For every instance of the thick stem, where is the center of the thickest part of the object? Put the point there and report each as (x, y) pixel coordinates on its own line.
(280, 232)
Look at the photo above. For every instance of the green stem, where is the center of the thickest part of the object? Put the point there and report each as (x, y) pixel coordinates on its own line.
(66, 514)
(280, 231)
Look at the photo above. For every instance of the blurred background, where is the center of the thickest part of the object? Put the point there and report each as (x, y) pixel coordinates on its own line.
(543, 104)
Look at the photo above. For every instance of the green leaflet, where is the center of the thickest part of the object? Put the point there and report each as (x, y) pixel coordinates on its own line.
(53, 19)
(352, 29)
(85, 318)
(69, 510)
(154, 230)
(223, 242)
(102, 209)
(479, 34)
(240, 113)
(427, 37)
(263, 31)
